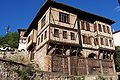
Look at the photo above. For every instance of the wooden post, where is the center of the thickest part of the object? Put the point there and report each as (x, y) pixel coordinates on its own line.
(55, 49)
(87, 67)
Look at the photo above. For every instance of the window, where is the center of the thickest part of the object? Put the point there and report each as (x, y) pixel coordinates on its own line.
(86, 40)
(45, 36)
(72, 36)
(82, 25)
(87, 26)
(101, 40)
(42, 38)
(63, 17)
(56, 33)
(100, 28)
(106, 41)
(43, 21)
(104, 28)
(96, 41)
(95, 27)
(65, 34)
(38, 41)
(108, 29)
(110, 41)
(89, 40)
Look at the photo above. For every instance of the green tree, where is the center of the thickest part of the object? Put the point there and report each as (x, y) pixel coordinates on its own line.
(117, 58)
(11, 39)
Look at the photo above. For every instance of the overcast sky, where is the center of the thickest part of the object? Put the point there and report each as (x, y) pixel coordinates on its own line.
(20, 13)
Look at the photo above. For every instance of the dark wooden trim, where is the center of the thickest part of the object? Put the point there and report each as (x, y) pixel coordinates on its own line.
(90, 48)
(43, 30)
(64, 44)
(62, 27)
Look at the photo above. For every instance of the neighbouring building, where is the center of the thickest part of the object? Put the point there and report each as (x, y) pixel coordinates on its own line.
(116, 37)
(22, 40)
(65, 39)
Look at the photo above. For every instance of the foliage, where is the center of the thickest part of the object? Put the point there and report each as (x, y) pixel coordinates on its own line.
(117, 58)
(11, 39)
(101, 78)
(25, 73)
(80, 78)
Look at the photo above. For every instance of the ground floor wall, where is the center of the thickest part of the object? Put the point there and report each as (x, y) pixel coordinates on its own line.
(42, 59)
(16, 71)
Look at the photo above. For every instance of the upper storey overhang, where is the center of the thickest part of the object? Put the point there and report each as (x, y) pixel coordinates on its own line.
(81, 14)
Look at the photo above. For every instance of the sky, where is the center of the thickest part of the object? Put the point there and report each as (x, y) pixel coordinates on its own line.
(20, 13)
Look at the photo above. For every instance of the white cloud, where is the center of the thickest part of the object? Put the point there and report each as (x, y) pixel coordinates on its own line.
(117, 8)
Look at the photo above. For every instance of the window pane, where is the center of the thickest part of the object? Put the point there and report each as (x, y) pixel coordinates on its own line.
(87, 26)
(95, 27)
(104, 28)
(63, 17)
(65, 34)
(38, 41)
(72, 36)
(101, 39)
(42, 38)
(82, 25)
(100, 28)
(108, 29)
(43, 21)
(56, 33)
(45, 36)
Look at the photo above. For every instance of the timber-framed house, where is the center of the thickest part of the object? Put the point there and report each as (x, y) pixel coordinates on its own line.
(65, 39)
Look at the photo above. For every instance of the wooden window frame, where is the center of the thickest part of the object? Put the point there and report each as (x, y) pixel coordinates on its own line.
(56, 33)
(42, 38)
(104, 28)
(87, 26)
(111, 43)
(38, 40)
(106, 41)
(101, 41)
(63, 17)
(100, 27)
(108, 29)
(95, 27)
(96, 42)
(65, 34)
(43, 21)
(45, 35)
(83, 25)
(72, 36)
